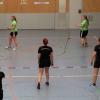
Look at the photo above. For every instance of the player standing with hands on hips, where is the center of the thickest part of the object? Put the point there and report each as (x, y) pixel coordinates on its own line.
(45, 60)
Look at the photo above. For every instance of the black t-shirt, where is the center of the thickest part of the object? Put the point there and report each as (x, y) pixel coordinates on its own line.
(45, 52)
(97, 50)
(2, 75)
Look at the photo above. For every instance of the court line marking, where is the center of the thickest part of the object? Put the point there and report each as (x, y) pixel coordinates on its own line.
(66, 76)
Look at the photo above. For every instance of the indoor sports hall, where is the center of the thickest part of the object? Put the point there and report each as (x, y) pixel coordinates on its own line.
(23, 26)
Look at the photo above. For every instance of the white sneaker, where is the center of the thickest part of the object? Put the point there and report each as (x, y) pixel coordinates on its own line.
(14, 49)
(7, 47)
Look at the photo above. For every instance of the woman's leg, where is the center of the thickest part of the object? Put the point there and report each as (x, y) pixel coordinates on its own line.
(15, 41)
(82, 41)
(86, 43)
(10, 41)
(85, 38)
(95, 75)
(40, 73)
(47, 74)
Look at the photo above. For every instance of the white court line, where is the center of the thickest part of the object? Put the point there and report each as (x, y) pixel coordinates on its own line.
(66, 76)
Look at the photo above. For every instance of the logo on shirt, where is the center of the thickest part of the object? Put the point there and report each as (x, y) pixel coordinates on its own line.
(45, 49)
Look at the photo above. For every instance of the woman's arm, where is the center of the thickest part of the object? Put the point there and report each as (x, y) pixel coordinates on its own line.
(13, 26)
(39, 55)
(51, 58)
(93, 57)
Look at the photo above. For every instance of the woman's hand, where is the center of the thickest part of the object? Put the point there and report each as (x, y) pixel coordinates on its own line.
(52, 64)
(91, 63)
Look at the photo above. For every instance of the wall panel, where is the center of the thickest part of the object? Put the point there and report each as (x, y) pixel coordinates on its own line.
(29, 6)
(67, 5)
(12, 6)
(2, 6)
(91, 6)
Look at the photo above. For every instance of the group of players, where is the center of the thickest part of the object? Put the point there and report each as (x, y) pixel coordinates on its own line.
(45, 53)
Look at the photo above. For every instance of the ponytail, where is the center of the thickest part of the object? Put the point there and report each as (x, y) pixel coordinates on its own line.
(86, 19)
(14, 18)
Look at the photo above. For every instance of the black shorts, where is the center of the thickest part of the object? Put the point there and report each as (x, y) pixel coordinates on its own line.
(13, 34)
(83, 34)
(44, 63)
(1, 94)
(97, 64)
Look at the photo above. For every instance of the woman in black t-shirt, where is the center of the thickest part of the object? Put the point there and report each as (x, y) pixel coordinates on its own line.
(45, 60)
(96, 61)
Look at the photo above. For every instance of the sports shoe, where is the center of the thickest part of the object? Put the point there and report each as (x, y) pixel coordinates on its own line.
(47, 83)
(8, 47)
(93, 84)
(86, 44)
(14, 49)
(38, 86)
(92, 87)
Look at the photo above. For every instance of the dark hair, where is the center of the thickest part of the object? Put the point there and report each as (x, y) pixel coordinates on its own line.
(2, 75)
(85, 17)
(45, 41)
(14, 18)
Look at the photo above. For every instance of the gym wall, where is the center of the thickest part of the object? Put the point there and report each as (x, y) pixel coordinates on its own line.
(48, 14)
(29, 6)
(88, 7)
(75, 17)
(34, 14)
(92, 9)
